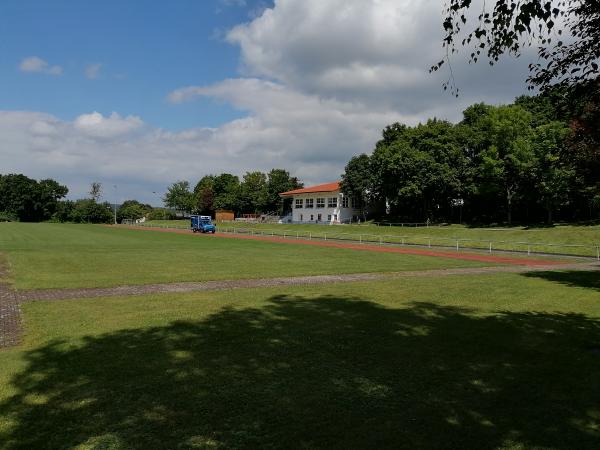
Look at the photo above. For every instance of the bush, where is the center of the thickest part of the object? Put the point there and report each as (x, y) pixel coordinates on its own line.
(89, 211)
(131, 212)
(161, 214)
(8, 217)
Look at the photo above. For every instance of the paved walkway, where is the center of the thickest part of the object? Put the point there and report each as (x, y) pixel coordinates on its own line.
(10, 317)
(63, 294)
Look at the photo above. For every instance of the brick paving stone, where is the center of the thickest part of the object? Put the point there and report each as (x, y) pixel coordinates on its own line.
(10, 317)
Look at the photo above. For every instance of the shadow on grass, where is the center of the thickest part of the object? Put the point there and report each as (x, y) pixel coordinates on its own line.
(573, 278)
(317, 373)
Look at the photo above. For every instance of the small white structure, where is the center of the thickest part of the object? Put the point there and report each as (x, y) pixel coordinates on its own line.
(324, 203)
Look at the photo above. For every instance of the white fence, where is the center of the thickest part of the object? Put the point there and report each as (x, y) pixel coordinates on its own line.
(457, 244)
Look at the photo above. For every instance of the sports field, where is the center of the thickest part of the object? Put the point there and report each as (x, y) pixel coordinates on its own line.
(581, 240)
(63, 255)
(488, 360)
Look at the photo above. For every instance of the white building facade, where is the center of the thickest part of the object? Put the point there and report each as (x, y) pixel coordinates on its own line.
(324, 203)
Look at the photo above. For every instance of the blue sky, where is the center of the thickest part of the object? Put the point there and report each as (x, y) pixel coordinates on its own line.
(145, 93)
(144, 51)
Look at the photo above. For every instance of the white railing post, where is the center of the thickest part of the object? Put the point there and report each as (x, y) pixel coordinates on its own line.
(598, 252)
(457, 245)
(310, 235)
(360, 238)
(429, 243)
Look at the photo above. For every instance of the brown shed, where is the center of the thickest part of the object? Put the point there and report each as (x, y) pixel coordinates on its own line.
(224, 215)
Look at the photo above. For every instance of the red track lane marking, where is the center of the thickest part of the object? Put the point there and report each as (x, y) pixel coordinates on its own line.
(369, 247)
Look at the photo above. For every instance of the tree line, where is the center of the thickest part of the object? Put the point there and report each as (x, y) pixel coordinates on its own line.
(535, 160)
(28, 200)
(256, 192)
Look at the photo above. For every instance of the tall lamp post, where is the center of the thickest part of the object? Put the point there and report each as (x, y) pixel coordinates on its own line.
(159, 197)
(115, 186)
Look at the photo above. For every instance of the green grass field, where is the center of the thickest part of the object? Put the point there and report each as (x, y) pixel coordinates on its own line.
(495, 361)
(59, 255)
(562, 237)
(501, 361)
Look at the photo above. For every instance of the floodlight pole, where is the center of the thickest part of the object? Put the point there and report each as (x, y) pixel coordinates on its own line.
(159, 197)
(115, 186)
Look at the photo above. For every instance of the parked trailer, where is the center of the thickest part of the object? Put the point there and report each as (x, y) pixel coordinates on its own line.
(202, 224)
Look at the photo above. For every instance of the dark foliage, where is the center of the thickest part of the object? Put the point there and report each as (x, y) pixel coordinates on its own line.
(506, 26)
(29, 200)
(535, 161)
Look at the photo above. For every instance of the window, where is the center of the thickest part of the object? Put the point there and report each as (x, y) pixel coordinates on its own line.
(328, 217)
(299, 202)
(354, 202)
(320, 203)
(318, 217)
(301, 217)
(312, 217)
(335, 217)
(332, 202)
(344, 202)
(309, 203)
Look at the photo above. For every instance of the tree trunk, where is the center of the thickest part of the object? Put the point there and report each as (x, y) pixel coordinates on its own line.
(509, 196)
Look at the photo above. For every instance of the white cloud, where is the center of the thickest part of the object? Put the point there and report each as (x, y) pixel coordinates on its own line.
(92, 71)
(376, 52)
(320, 81)
(98, 126)
(37, 64)
(308, 136)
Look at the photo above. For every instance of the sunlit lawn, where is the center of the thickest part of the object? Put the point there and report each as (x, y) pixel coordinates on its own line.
(562, 237)
(61, 255)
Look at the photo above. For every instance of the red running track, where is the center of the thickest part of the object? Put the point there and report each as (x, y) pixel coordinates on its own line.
(368, 247)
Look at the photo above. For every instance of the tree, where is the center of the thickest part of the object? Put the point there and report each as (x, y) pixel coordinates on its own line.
(227, 192)
(28, 199)
(64, 211)
(510, 25)
(133, 210)
(89, 211)
(50, 192)
(357, 181)
(253, 190)
(95, 191)
(509, 158)
(418, 170)
(18, 197)
(179, 197)
(553, 177)
(278, 181)
(204, 195)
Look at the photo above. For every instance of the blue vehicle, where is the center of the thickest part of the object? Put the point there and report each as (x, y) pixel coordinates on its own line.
(202, 224)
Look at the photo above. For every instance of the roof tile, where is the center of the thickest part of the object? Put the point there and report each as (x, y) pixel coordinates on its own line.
(327, 187)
